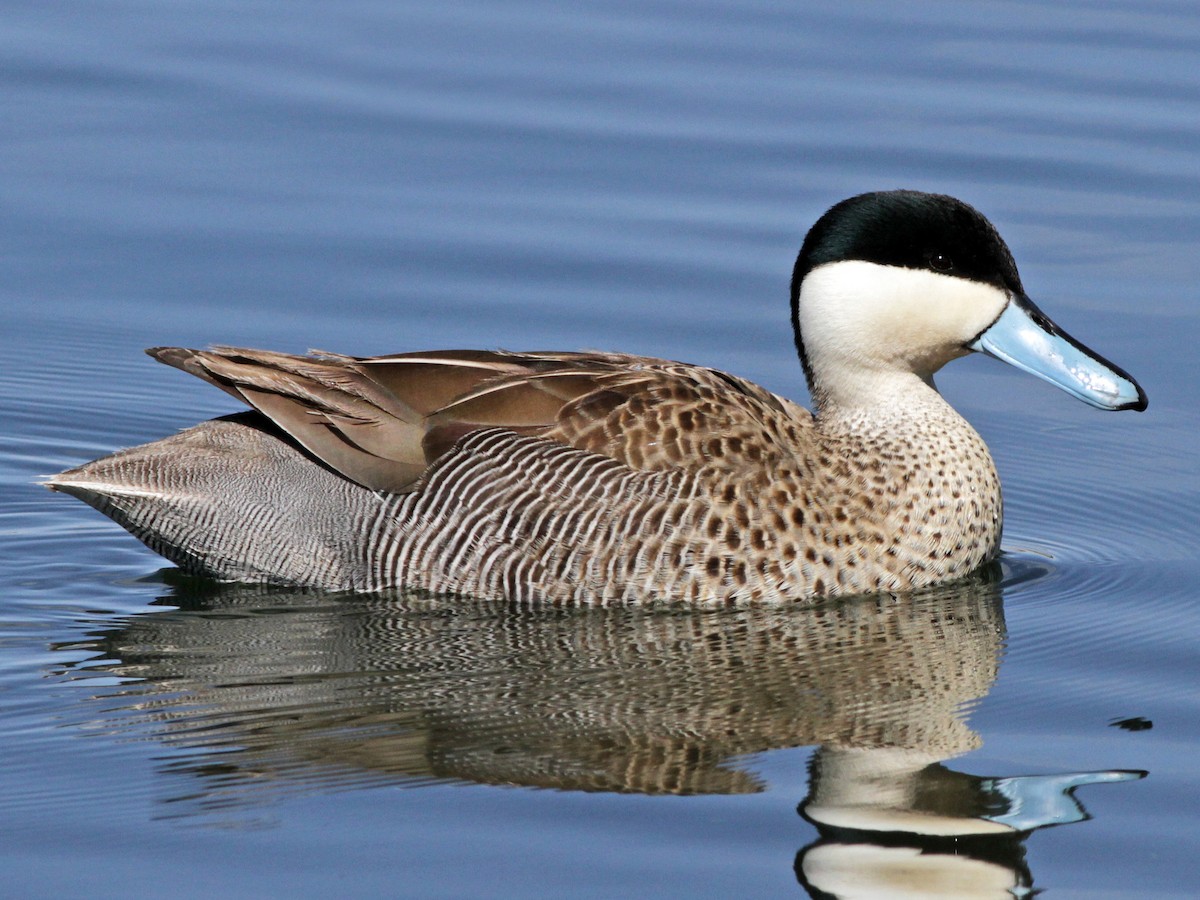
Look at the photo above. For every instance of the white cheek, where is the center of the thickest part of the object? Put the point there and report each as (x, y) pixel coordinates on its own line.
(891, 316)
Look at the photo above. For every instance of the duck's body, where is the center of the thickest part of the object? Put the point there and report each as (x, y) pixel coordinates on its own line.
(604, 478)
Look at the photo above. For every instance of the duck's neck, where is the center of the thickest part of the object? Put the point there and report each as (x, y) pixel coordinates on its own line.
(883, 396)
(934, 496)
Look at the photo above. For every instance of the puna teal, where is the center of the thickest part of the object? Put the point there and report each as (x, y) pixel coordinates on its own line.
(598, 478)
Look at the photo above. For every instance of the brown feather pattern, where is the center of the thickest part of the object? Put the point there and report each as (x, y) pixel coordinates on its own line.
(577, 478)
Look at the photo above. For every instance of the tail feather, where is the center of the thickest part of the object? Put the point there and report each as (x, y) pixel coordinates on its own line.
(232, 499)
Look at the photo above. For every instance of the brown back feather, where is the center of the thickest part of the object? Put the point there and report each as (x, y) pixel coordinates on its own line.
(381, 421)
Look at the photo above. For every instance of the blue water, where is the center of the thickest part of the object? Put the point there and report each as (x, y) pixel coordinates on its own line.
(371, 177)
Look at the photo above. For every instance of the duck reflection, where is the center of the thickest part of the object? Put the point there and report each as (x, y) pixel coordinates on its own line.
(264, 692)
(894, 824)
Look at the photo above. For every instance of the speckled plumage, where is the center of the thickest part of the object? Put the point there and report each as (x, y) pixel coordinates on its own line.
(671, 483)
(592, 478)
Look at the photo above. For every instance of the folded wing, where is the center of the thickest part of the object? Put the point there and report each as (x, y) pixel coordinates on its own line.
(381, 421)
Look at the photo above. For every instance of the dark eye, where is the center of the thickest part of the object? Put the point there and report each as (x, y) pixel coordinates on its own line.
(940, 262)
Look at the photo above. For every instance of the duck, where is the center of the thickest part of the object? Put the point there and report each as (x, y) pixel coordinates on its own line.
(598, 478)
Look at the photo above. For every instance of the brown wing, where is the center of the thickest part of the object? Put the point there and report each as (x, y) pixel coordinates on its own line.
(381, 421)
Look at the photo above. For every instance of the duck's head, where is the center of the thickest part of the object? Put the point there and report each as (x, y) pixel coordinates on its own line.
(895, 284)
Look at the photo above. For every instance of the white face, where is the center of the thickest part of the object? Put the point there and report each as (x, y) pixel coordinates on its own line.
(862, 320)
